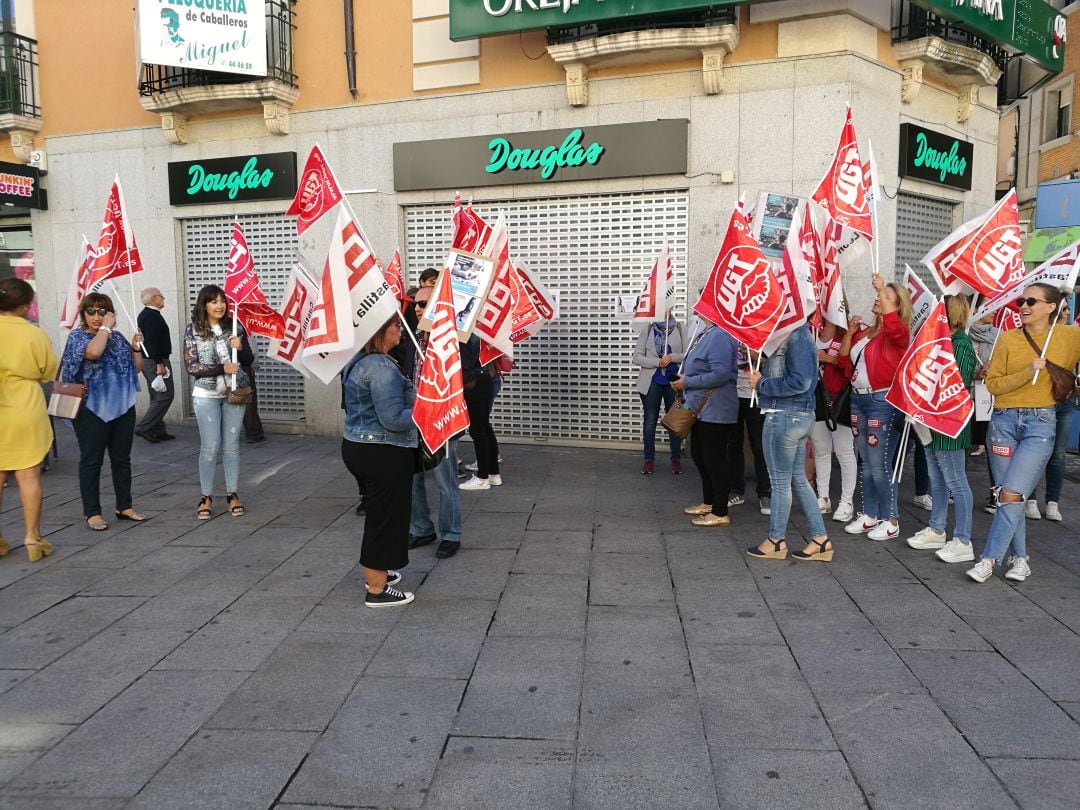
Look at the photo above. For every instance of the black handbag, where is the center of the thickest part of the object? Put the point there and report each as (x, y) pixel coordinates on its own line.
(832, 412)
(427, 461)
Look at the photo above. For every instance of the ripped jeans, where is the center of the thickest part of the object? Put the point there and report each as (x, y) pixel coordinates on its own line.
(220, 425)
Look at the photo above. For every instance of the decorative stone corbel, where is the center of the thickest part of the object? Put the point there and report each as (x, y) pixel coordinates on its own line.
(577, 84)
(966, 102)
(276, 117)
(175, 127)
(22, 144)
(712, 69)
(912, 82)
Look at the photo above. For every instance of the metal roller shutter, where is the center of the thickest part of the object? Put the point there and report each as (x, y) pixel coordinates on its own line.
(921, 222)
(574, 382)
(273, 244)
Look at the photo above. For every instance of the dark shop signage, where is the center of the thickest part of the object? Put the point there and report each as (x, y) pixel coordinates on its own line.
(583, 153)
(935, 157)
(20, 185)
(233, 179)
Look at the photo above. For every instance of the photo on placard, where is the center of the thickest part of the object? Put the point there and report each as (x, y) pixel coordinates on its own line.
(772, 221)
(470, 279)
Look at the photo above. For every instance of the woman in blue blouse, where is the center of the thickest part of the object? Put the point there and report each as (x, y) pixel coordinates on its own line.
(108, 365)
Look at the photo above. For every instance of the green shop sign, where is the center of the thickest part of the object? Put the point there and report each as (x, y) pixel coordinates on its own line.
(233, 179)
(1033, 28)
(485, 18)
(935, 157)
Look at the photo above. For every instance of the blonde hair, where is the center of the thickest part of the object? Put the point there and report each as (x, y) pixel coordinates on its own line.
(956, 306)
(903, 302)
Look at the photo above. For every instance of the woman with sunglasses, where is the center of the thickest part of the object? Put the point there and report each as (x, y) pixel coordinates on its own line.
(1055, 468)
(103, 360)
(1022, 429)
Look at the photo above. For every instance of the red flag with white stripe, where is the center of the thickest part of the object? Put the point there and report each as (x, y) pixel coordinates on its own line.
(984, 254)
(922, 300)
(242, 289)
(795, 276)
(843, 191)
(296, 308)
(494, 324)
(80, 278)
(316, 193)
(116, 254)
(1059, 271)
(658, 296)
(439, 411)
(392, 274)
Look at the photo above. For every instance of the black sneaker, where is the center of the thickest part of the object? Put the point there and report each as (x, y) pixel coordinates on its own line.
(415, 541)
(390, 597)
(990, 507)
(447, 549)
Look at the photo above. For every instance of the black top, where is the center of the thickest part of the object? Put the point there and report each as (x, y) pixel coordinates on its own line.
(156, 336)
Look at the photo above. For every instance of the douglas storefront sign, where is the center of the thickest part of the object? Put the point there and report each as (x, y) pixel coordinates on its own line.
(935, 157)
(591, 153)
(233, 179)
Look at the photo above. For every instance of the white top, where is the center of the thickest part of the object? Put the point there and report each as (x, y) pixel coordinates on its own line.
(858, 351)
(219, 391)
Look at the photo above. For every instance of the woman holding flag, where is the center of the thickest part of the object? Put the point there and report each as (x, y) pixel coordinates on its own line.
(1022, 430)
(870, 355)
(659, 350)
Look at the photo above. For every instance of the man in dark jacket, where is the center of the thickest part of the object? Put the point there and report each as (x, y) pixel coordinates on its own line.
(158, 345)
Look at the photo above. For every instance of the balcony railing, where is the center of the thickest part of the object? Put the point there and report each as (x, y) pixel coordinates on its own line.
(19, 76)
(708, 17)
(911, 22)
(279, 60)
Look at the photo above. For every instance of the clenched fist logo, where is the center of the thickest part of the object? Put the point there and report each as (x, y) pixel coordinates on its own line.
(744, 290)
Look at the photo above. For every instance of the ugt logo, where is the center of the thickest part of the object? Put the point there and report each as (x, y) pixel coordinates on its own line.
(998, 258)
(849, 181)
(744, 289)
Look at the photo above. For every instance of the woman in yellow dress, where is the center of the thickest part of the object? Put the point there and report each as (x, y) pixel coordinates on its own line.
(26, 361)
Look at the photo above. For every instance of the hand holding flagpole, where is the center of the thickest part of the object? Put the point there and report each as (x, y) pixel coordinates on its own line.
(1050, 334)
(134, 326)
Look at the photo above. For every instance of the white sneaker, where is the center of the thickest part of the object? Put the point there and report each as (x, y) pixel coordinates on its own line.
(861, 524)
(844, 512)
(925, 501)
(1031, 510)
(1052, 511)
(1019, 570)
(983, 570)
(927, 539)
(473, 467)
(955, 551)
(884, 531)
(495, 480)
(475, 483)
(824, 505)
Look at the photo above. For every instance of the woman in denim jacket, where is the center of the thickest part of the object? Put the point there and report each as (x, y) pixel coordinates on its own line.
(208, 346)
(786, 391)
(379, 449)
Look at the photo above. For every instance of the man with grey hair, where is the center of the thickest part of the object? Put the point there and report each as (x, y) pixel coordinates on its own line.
(158, 343)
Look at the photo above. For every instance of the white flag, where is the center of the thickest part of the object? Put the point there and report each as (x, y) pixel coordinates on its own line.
(658, 296)
(296, 309)
(795, 275)
(922, 300)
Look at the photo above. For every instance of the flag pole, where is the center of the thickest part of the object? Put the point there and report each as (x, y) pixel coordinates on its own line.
(876, 247)
(901, 452)
(1049, 335)
(134, 325)
(128, 238)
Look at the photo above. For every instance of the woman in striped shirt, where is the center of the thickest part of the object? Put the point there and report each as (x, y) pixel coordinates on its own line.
(946, 458)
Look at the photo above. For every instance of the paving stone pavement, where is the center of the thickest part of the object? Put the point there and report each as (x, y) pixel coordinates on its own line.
(587, 648)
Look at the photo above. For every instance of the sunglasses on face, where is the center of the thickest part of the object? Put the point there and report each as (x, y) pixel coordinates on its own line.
(423, 303)
(99, 311)
(1030, 302)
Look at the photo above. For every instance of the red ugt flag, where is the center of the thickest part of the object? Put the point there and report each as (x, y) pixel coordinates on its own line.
(1060, 270)
(392, 274)
(439, 411)
(116, 254)
(80, 276)
(992, 260)
(659, 293)
(742, 296)
(928, 386)
(296, 308)
(843, 192)
(242, 288)
(494, 325)
(317, 193)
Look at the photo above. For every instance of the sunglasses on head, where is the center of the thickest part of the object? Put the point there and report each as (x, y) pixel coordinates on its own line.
(1030, 302)
(99, 311)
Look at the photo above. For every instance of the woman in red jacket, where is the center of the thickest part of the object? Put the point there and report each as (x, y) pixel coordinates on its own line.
(870, 356)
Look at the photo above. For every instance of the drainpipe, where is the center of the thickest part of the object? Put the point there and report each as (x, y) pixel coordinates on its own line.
(350, 48)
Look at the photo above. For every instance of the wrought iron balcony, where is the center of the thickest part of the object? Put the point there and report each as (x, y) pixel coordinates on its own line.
(19, 76)
(912, 22)
(698, 19)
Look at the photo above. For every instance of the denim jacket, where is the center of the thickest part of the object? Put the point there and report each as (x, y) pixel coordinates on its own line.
(790, 374)
(378, 402)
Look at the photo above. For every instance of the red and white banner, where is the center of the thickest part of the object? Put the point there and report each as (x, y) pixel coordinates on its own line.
(1060, 270)
(543, 301)
(843, 192)
(392, 274)
(1008, 318)
(243, 291)
(836, 243)
(795, 275)
(439, 411)
(984, 254)
(316, 193)
(80, 280)
(494, 323)
(296, 309)
(116, 254)
(658, 296)
(922, 300)
(471, 232)
(928, 386)
(741, 295)
(354, 301)
(525, 313)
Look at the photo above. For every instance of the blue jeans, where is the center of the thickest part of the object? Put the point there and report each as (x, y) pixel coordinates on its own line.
(651, 403)
(1055, 469)
(449, 500)
(876, 425)
(1019, 443)
(220, 425)
(784, 441)
(949, 476)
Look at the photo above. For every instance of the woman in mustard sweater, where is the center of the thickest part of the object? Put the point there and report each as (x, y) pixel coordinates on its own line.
(1021, 433)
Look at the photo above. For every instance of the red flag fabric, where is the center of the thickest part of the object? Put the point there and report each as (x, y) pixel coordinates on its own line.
(116, 254)
(80, 279)
(658, 296)
(392, 274)
(831, 303)
(843, 190)
(741, 295)
(1007, 318)
(494, 325)
(296, 309)
(243, 290)
(471, 232)
(928, 386)
(992, 259)
(316, 193)
(439, 411)
(525, 313)
(921, 299)
(1060, 270)
(543, 301)
(795, 276)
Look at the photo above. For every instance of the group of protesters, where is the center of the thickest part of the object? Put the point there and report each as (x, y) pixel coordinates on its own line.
(822, 393)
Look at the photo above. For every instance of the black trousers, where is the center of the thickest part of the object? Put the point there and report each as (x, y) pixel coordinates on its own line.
(153, 421)
(754, 422)
(478, 401)
(95, 437)
(385, 472)
(708, 448)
